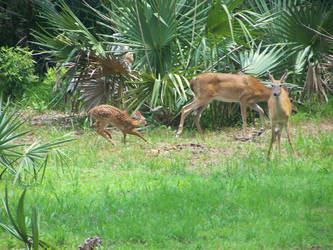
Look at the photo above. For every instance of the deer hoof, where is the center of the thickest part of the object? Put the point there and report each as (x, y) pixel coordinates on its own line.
(260, 132)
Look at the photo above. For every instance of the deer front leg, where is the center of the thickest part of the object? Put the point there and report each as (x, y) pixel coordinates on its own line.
(124, 137)
(279, 133)
(133, 132)
(185, 111)
(272, 141)
(197, 116)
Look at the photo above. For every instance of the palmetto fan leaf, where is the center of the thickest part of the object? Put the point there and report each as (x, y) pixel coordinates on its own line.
(146, 25)
(225, 21)
(302, 26)
(86, 59)
(296, 24)
(258, 61)
(156, 30)
(171, 91)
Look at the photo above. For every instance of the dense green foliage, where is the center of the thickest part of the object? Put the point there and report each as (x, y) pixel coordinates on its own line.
(16, 71)
(42, 97)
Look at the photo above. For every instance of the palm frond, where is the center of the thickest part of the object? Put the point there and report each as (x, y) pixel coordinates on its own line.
(258, 61)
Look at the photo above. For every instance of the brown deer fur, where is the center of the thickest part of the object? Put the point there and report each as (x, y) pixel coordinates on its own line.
(244, 89)
(279, 108)
(106, 114)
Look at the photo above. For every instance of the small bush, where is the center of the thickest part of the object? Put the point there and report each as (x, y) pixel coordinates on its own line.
(16, 71)
(41, 96)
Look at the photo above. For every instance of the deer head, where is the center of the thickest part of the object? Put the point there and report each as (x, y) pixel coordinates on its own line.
(139, 117)
(277, 85)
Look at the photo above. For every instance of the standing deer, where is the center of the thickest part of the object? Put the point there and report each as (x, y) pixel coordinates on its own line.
(227, 88)
(105, 114)
(279, 109)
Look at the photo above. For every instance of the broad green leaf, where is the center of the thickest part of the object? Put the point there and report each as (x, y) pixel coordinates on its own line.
(34, 228)
(20, 217)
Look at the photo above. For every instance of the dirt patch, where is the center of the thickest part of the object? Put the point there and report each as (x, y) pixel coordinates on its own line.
(164, 148)
(325, 125)
(52, 118)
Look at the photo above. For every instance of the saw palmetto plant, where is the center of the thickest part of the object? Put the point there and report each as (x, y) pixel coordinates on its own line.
(18, 226)
(91, 67)
(303, 27)
(23, 161)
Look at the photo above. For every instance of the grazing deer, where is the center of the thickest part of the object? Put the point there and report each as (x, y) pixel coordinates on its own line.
(105, 114)
(279, 109)
(244, 89)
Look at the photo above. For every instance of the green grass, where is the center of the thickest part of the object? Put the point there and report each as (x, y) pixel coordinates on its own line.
(174, 195)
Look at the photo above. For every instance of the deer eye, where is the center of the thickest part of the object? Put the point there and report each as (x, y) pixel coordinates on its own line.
(280, 85)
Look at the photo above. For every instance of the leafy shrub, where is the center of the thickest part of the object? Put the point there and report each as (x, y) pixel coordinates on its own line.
(41, 96)
(16, 71)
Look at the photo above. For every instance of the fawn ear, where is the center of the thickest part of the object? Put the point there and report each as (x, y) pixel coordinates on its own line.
(136, 114)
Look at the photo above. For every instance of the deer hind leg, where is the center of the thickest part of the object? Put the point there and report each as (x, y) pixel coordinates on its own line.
(272, 141)
(133, 132)
(101, 131)
(124, 137)
(98, 124)
(197, 116)
(108, 133)
(185, 111)
(257, 108)
(243, 105)
(289, 138)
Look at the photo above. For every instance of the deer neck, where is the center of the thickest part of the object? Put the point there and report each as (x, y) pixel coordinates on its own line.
(279, 102)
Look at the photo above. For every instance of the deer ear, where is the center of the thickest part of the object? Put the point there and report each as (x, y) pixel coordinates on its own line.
(270, 76)
(284, 76)
(136, 114)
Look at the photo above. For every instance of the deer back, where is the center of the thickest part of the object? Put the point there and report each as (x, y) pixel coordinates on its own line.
(228, 87)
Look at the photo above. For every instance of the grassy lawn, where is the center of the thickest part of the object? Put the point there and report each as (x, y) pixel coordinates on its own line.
(186, 193)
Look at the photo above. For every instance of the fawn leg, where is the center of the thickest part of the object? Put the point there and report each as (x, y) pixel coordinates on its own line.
(101, 131)
(124, 137)
(108, 133)
(137, 134)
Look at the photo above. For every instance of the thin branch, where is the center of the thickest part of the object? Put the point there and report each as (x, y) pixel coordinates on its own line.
(223, 57)
(142, 37)
(318, 33)
(193, 29)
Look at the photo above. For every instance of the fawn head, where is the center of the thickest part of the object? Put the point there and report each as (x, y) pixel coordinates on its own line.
(138, 116)
(277, 85)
